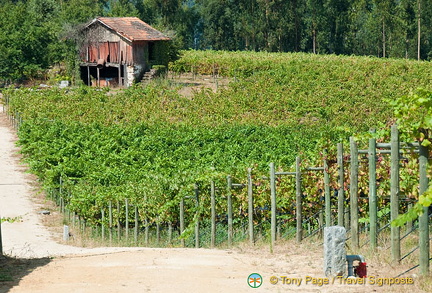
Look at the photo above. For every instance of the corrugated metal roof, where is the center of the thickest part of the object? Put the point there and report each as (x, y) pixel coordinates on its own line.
(132, 28)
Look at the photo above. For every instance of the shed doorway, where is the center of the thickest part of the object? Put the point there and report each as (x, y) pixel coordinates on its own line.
(111, 76)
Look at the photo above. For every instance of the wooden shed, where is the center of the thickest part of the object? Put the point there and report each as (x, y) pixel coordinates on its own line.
(116, 51)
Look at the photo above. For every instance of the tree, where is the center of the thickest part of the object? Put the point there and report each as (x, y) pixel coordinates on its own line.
(336, 15)
(119, 8)
(317, 23)
(74, 12)
(424, 29)
(27, 33)
(218, 18)
(166, 10)
(278, 25)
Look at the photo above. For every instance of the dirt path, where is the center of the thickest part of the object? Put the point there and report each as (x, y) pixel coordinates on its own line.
(52, 267)
(23, 234)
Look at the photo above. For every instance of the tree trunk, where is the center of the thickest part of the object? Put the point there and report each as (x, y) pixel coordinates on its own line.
(314, 40)
(384, 39)
(418, 29)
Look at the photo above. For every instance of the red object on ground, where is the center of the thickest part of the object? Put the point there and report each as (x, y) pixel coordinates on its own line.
(361, 270)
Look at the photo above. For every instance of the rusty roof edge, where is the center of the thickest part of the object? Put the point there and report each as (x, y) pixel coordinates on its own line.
(122, 35)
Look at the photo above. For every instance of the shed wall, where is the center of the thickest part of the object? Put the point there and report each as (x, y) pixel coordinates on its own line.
(102, 43)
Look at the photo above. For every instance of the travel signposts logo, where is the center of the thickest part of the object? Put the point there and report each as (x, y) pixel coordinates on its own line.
(255, 280)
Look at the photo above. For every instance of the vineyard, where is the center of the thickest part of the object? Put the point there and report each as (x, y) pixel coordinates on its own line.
(151, 159)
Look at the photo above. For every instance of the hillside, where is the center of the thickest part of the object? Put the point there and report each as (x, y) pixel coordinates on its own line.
(280, 89)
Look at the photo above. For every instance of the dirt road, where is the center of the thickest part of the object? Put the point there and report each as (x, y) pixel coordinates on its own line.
(48, 266)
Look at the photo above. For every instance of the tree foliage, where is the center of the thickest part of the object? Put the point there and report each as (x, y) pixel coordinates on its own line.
(32, 31)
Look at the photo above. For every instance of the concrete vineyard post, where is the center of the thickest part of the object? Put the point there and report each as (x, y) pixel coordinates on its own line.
(136, 225)
(273, 203)
(299, 232)
(354, 194)
(197, 221)
(157, 231)
(250, 206)
(118, 221)
(373, 210)
(394, 193)
(424, 218)
(341, 199)
(328, 221)
(146, 225)
(127, 219)
(103, 224)
(146, 231)
(230, 214)
(321, 222)
(182, 223)
(409, 224)
(213, 214)
(110, 221)
(170, 229)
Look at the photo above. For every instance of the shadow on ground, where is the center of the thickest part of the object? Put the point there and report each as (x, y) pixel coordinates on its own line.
(12, 270)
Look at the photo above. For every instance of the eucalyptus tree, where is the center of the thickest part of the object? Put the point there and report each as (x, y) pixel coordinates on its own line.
(122, 8)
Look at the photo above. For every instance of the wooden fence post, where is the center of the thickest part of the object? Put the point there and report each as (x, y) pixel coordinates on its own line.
(373, 210)
(394, 193)
(424, 218)
(250, 207)
(341, 199)
(299, 232)
(354, 194)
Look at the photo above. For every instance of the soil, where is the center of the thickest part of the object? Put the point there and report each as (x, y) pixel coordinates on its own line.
(37, 260)
(191, 83)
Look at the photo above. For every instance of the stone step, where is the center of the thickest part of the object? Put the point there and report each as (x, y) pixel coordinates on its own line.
(149, 75)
